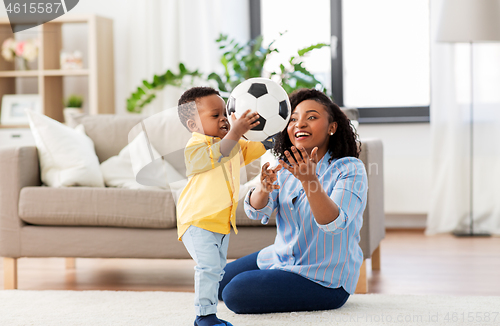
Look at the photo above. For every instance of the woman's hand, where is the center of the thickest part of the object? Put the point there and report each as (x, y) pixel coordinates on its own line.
(268, 177)
(260, 196)
(302, 166)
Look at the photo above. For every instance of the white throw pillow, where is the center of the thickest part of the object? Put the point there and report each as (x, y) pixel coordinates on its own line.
(67, 156)
(117, 172)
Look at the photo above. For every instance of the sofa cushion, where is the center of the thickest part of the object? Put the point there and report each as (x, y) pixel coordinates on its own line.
(67, 156)
(109, 132)
(97, 207)
(243, 220)
(117, 172)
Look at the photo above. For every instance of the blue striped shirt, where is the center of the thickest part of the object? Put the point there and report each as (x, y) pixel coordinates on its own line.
(326, 254)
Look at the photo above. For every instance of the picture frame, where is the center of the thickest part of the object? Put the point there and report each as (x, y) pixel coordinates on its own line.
(71, 60)
(13, 106)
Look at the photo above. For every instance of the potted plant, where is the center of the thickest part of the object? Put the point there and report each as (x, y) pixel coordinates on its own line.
(72, 106)
(239, 62)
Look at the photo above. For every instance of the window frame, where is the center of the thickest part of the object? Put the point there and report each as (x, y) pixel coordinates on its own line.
(367, 115)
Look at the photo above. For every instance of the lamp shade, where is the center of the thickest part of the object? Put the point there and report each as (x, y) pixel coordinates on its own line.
(469, 21)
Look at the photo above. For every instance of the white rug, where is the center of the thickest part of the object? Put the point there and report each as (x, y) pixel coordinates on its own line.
(18, 307)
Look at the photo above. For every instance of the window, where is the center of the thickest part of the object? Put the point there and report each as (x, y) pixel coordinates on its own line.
(314, 28)
(382, 62)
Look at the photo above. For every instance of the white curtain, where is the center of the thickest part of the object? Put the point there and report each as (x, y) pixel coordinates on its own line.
(450, 105)
(163, 33)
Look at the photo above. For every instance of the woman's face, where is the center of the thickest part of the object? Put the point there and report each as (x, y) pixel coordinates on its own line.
(309, 127)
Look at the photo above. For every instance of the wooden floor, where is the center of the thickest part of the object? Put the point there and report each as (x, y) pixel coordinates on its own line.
(412, 263)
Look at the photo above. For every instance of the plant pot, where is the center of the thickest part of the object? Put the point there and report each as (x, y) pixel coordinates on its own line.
(69, 112)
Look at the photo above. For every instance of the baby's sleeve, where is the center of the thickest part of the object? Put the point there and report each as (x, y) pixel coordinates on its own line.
(198, 157)
(349, 194)
(251, 150)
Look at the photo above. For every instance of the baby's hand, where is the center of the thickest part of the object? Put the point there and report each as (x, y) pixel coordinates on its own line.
(268, 177)
(247, 121)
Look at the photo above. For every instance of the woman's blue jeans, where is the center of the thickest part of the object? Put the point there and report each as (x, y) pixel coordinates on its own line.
(245, 289)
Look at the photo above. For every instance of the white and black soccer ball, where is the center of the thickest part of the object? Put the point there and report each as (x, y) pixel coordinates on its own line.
(265, 97)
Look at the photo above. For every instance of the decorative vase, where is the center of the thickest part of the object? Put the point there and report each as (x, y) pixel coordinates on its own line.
(69, 112)
(22, 63)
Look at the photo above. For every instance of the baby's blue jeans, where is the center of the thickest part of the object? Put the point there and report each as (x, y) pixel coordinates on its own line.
(209, 251)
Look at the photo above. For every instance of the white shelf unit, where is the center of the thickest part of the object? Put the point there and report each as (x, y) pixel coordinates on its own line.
(99, 73)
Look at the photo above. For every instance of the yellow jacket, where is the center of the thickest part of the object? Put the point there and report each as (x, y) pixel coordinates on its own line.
(210, 197)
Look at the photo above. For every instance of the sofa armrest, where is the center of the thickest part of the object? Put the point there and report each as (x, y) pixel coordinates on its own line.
(19, 168)
(373, 229)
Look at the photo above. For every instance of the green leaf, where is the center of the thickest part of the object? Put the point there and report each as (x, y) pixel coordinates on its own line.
(156, 80)
(140, 91)
(303, 51)
(182, 68)
(218, 79)
(131, 104)
(169, 75)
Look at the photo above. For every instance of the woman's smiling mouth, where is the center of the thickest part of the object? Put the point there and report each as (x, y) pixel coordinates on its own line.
(300, 135)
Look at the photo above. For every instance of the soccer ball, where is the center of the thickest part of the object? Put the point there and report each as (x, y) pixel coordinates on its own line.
(265, 97)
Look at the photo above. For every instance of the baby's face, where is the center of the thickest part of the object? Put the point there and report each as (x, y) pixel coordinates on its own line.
(212, 115)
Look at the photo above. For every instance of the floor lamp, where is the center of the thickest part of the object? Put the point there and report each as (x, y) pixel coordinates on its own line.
(470, 21)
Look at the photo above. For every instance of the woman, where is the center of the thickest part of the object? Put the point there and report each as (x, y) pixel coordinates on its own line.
(320, 196)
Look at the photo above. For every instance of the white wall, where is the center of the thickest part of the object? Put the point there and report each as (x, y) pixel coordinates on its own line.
(407, 165)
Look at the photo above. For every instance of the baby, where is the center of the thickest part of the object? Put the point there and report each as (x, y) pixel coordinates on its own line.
(207, 206)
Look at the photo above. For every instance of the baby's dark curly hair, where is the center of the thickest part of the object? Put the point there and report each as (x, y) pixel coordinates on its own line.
(344, 142)
(186, 106)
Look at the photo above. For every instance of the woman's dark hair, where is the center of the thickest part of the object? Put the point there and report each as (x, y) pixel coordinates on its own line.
(344, 142)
